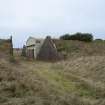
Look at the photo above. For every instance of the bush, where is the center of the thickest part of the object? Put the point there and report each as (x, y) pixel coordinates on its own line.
(78, 36)
(98, 40)
(65, 37)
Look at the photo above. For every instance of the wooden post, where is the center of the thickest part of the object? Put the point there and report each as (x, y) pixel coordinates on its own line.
(11, 45)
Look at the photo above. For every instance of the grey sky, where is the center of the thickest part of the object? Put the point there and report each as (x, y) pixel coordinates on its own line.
(38, 18)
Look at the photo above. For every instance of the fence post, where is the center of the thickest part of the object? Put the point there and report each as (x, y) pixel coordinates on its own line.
(11, 46)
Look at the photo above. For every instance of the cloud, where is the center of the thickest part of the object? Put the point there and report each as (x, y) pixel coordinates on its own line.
(50, 17)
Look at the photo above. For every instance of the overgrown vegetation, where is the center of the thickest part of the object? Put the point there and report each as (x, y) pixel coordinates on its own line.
(77, 81)
(86, 37)
(6, 48)
(79, 48)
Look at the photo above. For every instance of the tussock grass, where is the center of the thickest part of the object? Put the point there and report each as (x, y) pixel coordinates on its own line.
(79, 81)
(75, 49)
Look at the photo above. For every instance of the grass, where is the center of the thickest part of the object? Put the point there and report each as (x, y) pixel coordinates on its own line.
(79, 80)
(79, 48)
(65, 85)
(40, 83)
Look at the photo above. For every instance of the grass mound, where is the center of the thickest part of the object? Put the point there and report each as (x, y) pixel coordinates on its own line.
(79, 48)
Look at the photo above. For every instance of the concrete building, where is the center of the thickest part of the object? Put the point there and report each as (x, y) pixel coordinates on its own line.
(42, 49)
(33, 46)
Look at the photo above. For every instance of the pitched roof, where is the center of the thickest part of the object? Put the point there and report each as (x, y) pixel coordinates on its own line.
(34, 41)
(48, 51)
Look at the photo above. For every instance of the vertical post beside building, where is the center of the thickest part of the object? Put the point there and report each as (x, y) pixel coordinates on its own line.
(11, 46)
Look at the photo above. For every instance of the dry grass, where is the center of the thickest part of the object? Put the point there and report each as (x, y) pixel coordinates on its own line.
(79, 48)
(78, 81)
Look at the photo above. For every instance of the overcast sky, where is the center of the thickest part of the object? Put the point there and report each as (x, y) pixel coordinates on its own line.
(38, 18)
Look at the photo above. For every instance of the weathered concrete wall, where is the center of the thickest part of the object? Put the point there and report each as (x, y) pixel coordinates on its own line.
(33, 45)
(48, 51)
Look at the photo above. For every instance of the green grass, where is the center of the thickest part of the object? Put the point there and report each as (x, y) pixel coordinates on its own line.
(77, 81)
(62, 84)
(79, 48)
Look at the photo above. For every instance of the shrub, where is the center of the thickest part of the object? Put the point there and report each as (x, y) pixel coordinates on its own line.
(98, 40)
(78, 36)
(65, 37)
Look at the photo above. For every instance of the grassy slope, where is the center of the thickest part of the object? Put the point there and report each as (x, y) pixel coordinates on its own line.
(73, 82)
(77, 48)
(79, 80)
